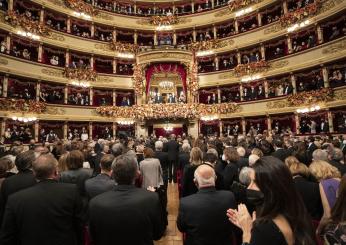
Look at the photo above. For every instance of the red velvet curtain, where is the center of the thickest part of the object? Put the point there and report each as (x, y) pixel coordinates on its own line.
(99, 129)
(210, 127)
(162, 132)
(285, 121)
(56, 126)
(253, 121)
(165, 68)
(338, 120)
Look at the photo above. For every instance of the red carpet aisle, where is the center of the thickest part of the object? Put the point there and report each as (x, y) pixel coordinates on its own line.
(172, 236)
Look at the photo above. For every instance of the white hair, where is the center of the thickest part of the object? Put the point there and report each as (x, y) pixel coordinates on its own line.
(158, 145)
(241, 151)
(253, 159)
(186, 147)
(203, 181)
(244, 176)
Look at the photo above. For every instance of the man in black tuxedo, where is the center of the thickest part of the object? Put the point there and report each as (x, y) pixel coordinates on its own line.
(23, 179)
(158, 98)
(46, 213)
(280, 152)
(288, 89)
(202, 215)
(324, 126)
(172, 148)
(253, 93)
(125, 215)
(311, 147)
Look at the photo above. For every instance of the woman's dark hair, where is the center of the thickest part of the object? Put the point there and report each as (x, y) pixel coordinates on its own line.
(148, 153)
(74, 160)
(274, 179)
(265, 147)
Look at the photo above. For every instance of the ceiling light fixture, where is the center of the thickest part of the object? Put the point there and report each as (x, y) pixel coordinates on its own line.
(164, 28)
(82, 84)
(298, 26)
(204, 53)
(309, 109)
(125, 122)
(243, 11)
(82, 15)
(250, 78)
(24, 119)
(126, 55)
(28, 35)
(209, 118)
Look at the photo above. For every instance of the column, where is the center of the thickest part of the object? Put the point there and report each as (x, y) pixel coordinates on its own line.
(194, 35)
(42, 16)
(243, 125)
(285, 7)
(259, 19)
(236, 26)
(68, 24)
(65, 94)
(238, 57)
(212, 4)
(215, 32)
(92, 61)
(92, 30)
(218, 95)
(40, 53)
(114, 129)
(114, 66)
(155, 39)
(114, 98)
(220, 127)
(263, 51)
(10, 5)
(192, 7)
(266, 89)
(325, 77)
(289, 45)
(90, 130)
(5, 86)
(65, 130)
(8, 43)
(330, 122)
(38, 88)
(3, 126)
(294, 83)
(269, 123)
(296, 118)
(216, 60)
(91, 96)
(174, 38)
(114, 34)
(241, 92)
(319, 34)
(36, 131)
(135, 38)
(135, 8)
(67, 58)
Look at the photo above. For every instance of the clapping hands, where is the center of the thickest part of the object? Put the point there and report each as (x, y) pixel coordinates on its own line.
(242, 219)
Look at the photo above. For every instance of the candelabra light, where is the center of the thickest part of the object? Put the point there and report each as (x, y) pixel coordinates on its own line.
(126, 55)
(209, 118)
(29, 35)
(82, 15)
(125, 122)
(204, 53)
(164, 28)
(250, 78)
(166, 85)
(298, 26)
(309, 109)
(24, 119)
(82, 84)
(243, 11)
(168, 128)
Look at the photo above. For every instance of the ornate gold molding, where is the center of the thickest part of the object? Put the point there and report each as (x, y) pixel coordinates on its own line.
(31, 106)
(3, 62)
(55, 111)
(277, 104)
(52, 72)
(276, 27)
(57, 37)
(334, 48)
(340, 94)
(173, 55)
(278, 64)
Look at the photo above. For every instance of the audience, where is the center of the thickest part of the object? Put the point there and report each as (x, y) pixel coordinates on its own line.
(188, 185)
(151, 171)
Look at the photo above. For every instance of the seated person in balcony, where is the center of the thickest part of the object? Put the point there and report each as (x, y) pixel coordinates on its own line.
(236, 129)
(312, 126)
(277, 128)
(15, 51)
(245, 59)
(212, 99)
(288, 88)
(3, 47)
(199, 9)
(280, 90)
(54, 60)
(103, 101)
(336, 78)
(304, 128)
(324, 126)
(296, 47)
(246, 94)
(43, 95)
(301, 87)
(335, 33)
(207, 35)
(271, 92)
(223, 99)
(125, 101)
(51, 137)
(260, 92)
(76, 134)
(318, 82)
(225, 63)
(311, 41)
(253, 26)
(253, 57)
(26, 95)
(81, 64)
(253, 93)
(171, 98)
(26, 54)
(269, 19)
(258, 128)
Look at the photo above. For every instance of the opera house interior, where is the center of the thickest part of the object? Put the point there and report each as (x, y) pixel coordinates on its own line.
(91, 74)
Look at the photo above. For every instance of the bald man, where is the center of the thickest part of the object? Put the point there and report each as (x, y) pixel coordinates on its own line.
(202, 215)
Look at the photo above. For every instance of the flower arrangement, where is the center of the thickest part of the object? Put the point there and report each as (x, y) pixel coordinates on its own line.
(81, 74)
(138, 79)
(31, 106)
(234, 5)
(124, 47)
(81, 6)
(291, 18)
(193, 82)
(27, 24)
(251, 68)
(160, 111)
(204, 45)
(164, 20)
(311, 97)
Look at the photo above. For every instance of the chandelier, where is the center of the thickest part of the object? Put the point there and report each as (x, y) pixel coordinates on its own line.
(82, 84)
(166, 85)
(168, 128)
(28, 35)
(24, 119)
(309, 109)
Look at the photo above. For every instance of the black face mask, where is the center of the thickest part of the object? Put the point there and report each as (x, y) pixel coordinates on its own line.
(255, 198)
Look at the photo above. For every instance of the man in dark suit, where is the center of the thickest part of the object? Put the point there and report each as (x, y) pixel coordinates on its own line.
(46, 213)
(280, 152)
(125, 215)
(102, 182)
(23, 179)
(202, 215)
(311, 147)
(324, 126)
(172, 148)
(288, 88)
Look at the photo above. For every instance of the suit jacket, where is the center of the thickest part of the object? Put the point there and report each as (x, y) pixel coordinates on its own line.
(183, 160)
(325, 127)
(163, 158)
(13, 184)
(78, 177)
(230, 174)
(202, 217)
(173, 150)
(46, 213)
(99, 184)
(126, 215)
(310, 150)
(188, 185)
(282, 154)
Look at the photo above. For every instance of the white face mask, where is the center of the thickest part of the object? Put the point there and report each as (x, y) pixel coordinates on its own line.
(223, 157)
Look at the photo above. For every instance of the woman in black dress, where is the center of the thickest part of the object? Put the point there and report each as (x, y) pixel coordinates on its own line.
(188, 184)
(281, 217)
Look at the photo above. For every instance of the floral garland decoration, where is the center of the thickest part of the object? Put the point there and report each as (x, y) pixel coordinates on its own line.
(22, 105)
(137, 79)
(81, 74)
(204, 45)
(251, 68)
(193, 82)
(173, 111)
(311, 97)
(293, 17)
(81, 6)
(26, 23)
(164, 20)
(238, 4)
(123, 47)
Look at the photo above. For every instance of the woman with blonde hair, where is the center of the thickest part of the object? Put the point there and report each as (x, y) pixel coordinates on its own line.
(308, 189)
(329, 178)
(188, 184)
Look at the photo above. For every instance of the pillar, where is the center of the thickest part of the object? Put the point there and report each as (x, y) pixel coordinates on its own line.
(325, 77)
(36, 131)
(243, 125)
(319, 34)
(8, 43)
(285, 6)
(220, 127)
(236, 26)
(90, 130)
(65, 130)
(114, 34)
(216, 61)
(10, 5)
(259, 19)
(238, 57)
(40, 53)
(174, 38)
(266, 89)
(135, 38)
(241, 92)
(65, 94)
(92, 30)
(135, 9)
(294, 83)
(269, 123)
(289, 45)
(92, 61)
(3, 126)
(263, 51)
(67, 58)
(114, 66)
(114, 98)
(42, 16)
(192, 7)
(68, 24)
(218, 95)
(155, 39)
(194, 35)
(91, 96)
(296, 118)
(215, 32)
(38, 89)
(330, 122)
(5, 86)
(114, 129)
